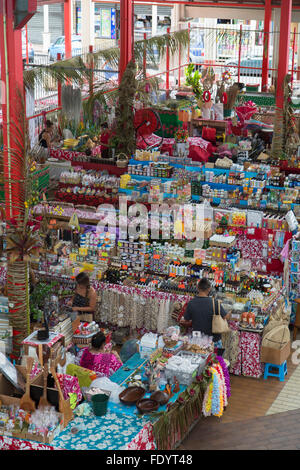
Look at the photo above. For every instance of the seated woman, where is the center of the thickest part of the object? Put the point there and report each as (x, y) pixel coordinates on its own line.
(96, 359)
(85, 297)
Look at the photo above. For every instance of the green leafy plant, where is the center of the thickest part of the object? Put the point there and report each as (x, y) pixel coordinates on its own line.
(193, 79)
(37, 299)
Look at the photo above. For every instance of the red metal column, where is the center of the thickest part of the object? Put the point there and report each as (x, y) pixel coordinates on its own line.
(240, 53)
(145, 56)
(12, 98)
(27, 56)
(284, 46)
(179, 66)
(168, 68)
(68, 29)
(266, 51)
(91, 84)
(126, 35)
(59, 102)
(293, 57)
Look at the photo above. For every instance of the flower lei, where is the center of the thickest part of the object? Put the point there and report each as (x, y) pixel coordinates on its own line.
(215, 403)
(226, 375)
(226, 76)
(215, 397)
(223, 392)
(207, 400)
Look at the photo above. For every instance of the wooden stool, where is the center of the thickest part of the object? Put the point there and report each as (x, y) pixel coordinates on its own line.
(297, 320)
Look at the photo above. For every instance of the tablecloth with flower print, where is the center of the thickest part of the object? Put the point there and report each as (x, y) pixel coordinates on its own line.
(109, 432)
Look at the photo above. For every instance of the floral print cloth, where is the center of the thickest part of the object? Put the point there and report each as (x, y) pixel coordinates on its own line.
(69, 384)
(144, 440)
(248, 361)
(12, 443)
(110, 432)
(104, 364)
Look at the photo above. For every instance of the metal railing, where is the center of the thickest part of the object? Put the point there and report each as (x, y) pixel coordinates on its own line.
(236, 49)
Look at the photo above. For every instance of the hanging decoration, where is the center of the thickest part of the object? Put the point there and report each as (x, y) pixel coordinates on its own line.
(224, 98)
(226, 76)
(206, 96)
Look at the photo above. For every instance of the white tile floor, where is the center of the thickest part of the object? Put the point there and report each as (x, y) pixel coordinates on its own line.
(289, 397)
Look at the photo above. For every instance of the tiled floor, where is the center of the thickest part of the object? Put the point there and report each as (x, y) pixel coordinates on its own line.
(261, 414)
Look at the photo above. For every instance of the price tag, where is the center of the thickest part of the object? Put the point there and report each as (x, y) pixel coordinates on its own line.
(181, 286)
(105, 255)
(156, 256)
(172, 275)
(143, 279)
(124, 267)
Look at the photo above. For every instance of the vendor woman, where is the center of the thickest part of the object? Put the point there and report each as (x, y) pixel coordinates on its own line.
(96, 358)
(199, 312)
(85, 297)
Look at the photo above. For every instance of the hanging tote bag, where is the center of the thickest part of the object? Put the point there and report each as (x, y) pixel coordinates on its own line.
(219, 324)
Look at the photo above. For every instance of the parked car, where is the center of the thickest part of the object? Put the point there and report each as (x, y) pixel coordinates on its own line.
(58, 46)
(197, 56)
(30, 48)
(197, 48)
(252, 62)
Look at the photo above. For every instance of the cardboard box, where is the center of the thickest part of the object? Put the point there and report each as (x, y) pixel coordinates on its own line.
(37, 388)
(7, 389)
(275, 356)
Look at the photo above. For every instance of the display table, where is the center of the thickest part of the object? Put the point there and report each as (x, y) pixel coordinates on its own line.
(122, 428)
(220, 125)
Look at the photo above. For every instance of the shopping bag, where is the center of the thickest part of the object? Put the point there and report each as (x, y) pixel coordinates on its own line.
(219, 324)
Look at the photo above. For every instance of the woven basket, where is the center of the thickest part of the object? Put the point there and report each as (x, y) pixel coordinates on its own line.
(122, 163)
(81, 339)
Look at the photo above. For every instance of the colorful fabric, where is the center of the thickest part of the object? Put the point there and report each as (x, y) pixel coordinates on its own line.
(144, 440)
(11, 443)
(109, 432)
(104, 364)
(69, 384)
(248, 361)
(85, 376)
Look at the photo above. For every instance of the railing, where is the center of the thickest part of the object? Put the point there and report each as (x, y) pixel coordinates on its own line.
(236, 49)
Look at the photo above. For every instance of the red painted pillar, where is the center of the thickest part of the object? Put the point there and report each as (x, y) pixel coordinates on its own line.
(59, 102)
(68, 29)
(284, 46)
(91, 84)
(12, 98)
(266, 49)
(145, 56)
(240, 53)
(168, 68)
(126, 35)
(27, 56)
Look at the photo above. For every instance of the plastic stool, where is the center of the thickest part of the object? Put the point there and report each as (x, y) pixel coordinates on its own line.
(282, 371)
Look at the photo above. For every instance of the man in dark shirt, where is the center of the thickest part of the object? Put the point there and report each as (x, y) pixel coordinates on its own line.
(200, 310)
